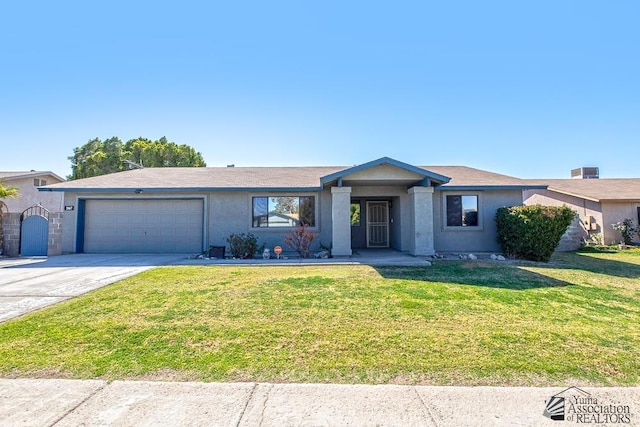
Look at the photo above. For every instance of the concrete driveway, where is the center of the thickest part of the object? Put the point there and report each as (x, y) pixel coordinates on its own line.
(28, 284)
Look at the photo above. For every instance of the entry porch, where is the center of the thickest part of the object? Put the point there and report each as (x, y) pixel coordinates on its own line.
(383, 204)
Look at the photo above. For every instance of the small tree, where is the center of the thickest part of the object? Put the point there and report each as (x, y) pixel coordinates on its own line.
(300, 240)
(626, 229)
(532, 232)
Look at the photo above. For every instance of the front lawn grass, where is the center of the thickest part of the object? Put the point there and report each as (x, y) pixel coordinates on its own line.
(573, 321)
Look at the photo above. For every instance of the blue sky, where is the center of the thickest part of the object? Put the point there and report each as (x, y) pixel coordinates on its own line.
(524, 88)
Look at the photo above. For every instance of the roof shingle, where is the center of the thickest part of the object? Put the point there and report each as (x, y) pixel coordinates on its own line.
(304, 177)
(598, 190)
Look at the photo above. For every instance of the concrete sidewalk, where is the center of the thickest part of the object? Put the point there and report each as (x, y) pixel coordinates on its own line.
(28, 402)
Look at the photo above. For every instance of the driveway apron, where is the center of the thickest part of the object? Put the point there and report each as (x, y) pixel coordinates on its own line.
(28, 284)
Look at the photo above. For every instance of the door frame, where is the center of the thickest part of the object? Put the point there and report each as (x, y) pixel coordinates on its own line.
(368, 220)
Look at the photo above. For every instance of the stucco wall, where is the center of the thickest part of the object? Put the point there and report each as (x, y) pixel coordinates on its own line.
(472, 239)
(617, 212)
(231, 212)
(604, 213)
(384, 173)
(588, 212)
(29, 195)
(69, 224)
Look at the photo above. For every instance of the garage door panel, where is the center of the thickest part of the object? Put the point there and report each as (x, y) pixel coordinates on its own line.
(152, 226)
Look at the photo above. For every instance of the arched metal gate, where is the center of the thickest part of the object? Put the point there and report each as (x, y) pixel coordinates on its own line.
(34, 231)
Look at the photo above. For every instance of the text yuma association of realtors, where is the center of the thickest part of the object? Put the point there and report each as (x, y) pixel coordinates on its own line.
(587, 410)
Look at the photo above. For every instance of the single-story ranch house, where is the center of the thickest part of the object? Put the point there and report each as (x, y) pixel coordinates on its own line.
(384, 203)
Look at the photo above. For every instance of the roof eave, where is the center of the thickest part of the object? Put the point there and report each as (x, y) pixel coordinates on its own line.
(570, 193)
(31, 175)
(622, 200)
(179, 189)
(489, 187)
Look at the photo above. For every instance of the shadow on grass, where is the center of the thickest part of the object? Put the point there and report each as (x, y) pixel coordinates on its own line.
(582, 260)
(474, 273)
(510, 275)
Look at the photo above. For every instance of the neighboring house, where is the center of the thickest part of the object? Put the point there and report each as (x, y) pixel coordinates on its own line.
(413, 209)
(27, 183)
(27, 218)
(599, 202)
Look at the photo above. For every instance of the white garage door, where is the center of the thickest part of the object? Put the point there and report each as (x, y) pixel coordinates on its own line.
(143, 226)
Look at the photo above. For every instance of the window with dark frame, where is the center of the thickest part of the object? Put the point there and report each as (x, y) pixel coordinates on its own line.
(283, 211)
(462, 211)
(355, 214)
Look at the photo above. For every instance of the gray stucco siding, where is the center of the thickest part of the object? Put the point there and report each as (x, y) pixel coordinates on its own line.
(472, 239)
(232, 212)
(227, 212)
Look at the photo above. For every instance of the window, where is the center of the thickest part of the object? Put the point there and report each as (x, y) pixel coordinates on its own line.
(43, 182)
(36, 182)
(355, 214)
(462, 211)
(284, 211)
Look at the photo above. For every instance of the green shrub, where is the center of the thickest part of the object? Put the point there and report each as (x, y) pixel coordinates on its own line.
(532, 232)
(243, 246)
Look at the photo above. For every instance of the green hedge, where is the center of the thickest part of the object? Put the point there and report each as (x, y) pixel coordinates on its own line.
(532, 232)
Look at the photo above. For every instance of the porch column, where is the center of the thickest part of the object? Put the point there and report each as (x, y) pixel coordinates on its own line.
(421, 217)
(341, 221)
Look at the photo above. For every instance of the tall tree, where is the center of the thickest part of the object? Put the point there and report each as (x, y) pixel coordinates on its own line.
(5, 193)
(98, 157)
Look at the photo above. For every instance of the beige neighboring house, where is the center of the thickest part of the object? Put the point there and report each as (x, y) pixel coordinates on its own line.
(599, 202)
(27, 183)
(31, 202)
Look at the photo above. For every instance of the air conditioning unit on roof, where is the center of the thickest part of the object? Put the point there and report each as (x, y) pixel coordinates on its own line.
(586, 173)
